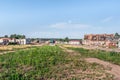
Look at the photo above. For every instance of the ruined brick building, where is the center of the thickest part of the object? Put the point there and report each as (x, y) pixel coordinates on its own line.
(105, 40)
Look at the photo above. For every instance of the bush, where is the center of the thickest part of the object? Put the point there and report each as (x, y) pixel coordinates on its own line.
(12, 43)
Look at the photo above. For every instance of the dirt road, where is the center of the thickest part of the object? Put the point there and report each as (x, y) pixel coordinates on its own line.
(112, 68)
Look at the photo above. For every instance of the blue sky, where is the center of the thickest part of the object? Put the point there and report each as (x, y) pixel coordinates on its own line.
(59, 18)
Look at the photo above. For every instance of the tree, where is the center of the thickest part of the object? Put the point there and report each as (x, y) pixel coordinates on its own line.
(17, 36)
(66, 39)
(22, 36)
(117, 35)
(6, 36)
(13, 36)
(61, 39)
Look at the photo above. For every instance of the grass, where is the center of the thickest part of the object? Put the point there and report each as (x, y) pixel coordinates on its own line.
(29, 64)
(113, 57)
(48, 63)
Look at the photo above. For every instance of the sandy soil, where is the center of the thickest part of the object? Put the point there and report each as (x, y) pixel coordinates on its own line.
(5, 52)
(112, 68)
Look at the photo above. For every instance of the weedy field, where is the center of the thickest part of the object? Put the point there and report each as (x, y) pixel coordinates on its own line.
(113, 57)
(49, 63)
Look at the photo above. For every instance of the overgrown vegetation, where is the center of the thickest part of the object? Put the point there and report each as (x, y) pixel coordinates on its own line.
(48, 63)
(30, 64)
(113, 57)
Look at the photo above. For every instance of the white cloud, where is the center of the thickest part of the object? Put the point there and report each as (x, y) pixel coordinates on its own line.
(68, 25)
(107, 19)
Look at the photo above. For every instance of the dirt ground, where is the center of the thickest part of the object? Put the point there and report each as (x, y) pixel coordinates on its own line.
(110, 68)
(8, 49)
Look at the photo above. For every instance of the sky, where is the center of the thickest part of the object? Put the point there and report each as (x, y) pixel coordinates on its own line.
(59, 18)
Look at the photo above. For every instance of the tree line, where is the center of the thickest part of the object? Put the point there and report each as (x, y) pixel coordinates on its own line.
(16, 36)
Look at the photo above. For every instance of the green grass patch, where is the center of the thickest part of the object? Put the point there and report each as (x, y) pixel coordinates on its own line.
(113, 57)
(31, 64)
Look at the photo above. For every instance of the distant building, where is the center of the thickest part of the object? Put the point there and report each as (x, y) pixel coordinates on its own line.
(10, 41)
(74, 42)
(4, 41)
(111, 43)
(98, 37)
(28, 41)
(13, 40)
(105, 40)
(118, 43)
(52, 41)
(21, 41)
(65, 42)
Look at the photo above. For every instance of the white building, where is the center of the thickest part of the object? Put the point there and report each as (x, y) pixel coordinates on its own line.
(12, 40)
(74, 42)
(4, 41)
(119, 43)
(1, 40)
(21, 41)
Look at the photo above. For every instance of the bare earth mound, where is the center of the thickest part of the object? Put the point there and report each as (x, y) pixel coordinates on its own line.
(112, 68)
